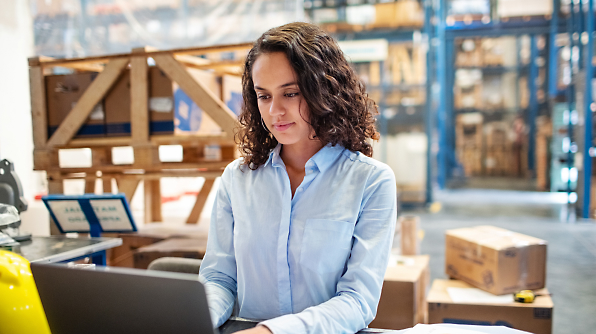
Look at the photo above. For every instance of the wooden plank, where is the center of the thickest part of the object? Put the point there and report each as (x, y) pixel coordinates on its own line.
(139, 96)
(90, 98)
(184, 51)
(203, 97)
(152, 201)
(90, 186)
(101, 156)
(128, 186)
(38, 107)
(203, 139)
(223, 64)
(192, 60)
(90, 67)
(107, 184)
(195, 213)
(145, 176)
(146, 156)
(55, 186)
(205, 166)
(409, 235)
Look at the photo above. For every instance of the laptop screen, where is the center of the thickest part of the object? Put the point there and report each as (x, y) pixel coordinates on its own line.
(121, 300)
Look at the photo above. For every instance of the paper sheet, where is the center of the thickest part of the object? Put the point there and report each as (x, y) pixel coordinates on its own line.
(438, 329)
(477, 296)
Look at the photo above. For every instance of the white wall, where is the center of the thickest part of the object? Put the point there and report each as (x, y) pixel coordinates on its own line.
(16, 142)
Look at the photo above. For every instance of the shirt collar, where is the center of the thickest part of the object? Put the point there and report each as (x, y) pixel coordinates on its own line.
(325, 157)
(322, 159)
(274, 157)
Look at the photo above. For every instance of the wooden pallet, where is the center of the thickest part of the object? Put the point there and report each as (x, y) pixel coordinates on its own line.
(146, 167)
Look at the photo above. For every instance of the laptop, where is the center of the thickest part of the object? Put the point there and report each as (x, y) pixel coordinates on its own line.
(121, 300)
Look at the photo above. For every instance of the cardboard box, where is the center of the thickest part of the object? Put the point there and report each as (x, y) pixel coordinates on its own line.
(403, 298)
(404, 13)
(536, 317)
(186, 248)
(494, 259)
(170, 109)
(62, 94)
(231, 91)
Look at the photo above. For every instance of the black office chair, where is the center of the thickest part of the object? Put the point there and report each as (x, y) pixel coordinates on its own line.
(176, 264)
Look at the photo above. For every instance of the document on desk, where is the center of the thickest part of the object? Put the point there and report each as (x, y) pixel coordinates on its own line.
(462, 329)
(477, 296)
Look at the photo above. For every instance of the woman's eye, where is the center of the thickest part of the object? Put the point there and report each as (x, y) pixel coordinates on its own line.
(292, 94)
(262, 97)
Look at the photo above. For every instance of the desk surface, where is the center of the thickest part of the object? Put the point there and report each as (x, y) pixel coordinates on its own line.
(61, 248)
(238, 324)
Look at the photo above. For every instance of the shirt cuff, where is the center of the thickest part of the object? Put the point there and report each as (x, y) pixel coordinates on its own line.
(285, 324)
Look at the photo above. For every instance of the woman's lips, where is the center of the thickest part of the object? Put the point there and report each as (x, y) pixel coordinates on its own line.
(282, 126)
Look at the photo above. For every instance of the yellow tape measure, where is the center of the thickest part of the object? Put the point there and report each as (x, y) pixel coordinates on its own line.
(524, 296)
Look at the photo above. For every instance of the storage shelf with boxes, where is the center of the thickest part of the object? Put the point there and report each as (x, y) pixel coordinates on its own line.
(492, 90)
(143, 101)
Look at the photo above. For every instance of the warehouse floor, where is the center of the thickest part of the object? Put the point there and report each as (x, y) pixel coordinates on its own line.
(571, 266)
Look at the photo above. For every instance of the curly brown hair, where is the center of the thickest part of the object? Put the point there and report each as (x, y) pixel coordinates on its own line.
(340, 110)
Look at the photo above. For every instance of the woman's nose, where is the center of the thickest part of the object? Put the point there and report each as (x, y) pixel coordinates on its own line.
(276, 107)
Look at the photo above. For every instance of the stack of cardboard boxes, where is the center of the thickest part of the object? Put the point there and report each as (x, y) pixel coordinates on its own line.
(403, 298)
(171, 111)
(468, 144)
(500, 262)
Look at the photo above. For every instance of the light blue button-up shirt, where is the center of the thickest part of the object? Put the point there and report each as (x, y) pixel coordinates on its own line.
(313, 263)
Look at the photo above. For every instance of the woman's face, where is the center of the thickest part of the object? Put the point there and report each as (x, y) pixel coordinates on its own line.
(281, 104)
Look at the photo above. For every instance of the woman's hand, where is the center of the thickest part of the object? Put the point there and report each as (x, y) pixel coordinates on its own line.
(260, 329)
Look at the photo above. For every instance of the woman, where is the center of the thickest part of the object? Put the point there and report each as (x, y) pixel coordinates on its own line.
(303, 223)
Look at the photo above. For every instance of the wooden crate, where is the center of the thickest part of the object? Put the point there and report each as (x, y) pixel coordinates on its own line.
(147, 166)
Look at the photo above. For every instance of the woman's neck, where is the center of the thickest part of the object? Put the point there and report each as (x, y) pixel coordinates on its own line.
(296, 155)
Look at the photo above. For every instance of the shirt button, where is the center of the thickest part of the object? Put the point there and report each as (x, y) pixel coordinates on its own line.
(299, 189)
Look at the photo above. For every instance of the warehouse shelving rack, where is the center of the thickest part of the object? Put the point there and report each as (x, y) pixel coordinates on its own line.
(447, 31)
(578, 24)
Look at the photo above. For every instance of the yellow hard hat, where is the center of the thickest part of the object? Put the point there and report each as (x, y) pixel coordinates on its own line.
(20, 307)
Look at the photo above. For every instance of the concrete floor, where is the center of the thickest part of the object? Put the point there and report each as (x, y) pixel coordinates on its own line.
(571, 263)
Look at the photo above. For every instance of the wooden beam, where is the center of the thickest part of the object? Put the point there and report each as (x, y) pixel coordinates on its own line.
(203, 97)
(90, 186)
(38, 107)
(107, 184)
(152, 201)
(55, 186)
(195, 213)
(90, 67)
(409, 235)
(139, 96)
(96, 91)
(199, 139)
(144, 176)
(192, 60)
(148, 52)
(224, 64)
(128, 186)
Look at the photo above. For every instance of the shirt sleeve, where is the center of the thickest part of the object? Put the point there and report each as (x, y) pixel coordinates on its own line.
(355, 303)
(218, 269)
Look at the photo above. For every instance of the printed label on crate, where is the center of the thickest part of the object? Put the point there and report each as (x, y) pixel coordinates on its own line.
(161, 104)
